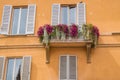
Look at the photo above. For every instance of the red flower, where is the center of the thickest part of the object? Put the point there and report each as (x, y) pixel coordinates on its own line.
(40, 31)
(63, 28)
(49, 28)
(73, 30)
(96, 31)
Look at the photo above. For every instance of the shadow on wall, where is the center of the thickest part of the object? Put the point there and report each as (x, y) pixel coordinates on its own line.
(103, 66)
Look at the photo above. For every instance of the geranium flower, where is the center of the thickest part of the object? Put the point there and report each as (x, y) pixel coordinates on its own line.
(63, 28)
(96, 31)
(73, 30)
(40, 31)
(49, 28)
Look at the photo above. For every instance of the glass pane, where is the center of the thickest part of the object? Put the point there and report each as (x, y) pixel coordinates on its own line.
(72, 67)
(17, 69)
(10, 69)
(23, 21)
(63, 67)
(15, 20)
(72, 16)
(64, 15)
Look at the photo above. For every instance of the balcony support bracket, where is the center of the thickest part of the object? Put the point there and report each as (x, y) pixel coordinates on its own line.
(47, 47)
(88, 46)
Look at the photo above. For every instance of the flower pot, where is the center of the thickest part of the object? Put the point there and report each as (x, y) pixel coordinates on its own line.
(95, 40)
(57, 34)
(46, 37)
(63, 37)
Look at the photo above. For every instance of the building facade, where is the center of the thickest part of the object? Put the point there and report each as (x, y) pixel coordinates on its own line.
(24, 57)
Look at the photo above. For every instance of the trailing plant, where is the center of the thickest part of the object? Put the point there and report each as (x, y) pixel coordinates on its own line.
(91, 32)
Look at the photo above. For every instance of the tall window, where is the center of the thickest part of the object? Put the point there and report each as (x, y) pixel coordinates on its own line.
(68, 68)
(19, 20)
(13, 68)
(16, 68)
(68, 15)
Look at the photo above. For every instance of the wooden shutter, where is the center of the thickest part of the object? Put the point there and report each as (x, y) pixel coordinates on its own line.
(72, 68)
(30, 19)
(55, 14)
(2, 62)
(6, 19)
(63, 67)
(81, 14)
(26, 67)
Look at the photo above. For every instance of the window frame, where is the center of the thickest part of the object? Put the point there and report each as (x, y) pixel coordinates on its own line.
(19, 18)
(6, 66)
(68, 12)
(67, 62)
(7, 19)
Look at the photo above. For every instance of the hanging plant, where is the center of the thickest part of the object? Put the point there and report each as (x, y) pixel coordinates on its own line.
(95, 35)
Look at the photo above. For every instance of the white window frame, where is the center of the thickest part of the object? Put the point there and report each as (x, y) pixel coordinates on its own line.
(68, 15)
(13, 67)
(19, 18)
(67, 66)
(2, 73)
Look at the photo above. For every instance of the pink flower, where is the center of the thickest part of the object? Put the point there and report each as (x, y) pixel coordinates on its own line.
(63, 28)
(73, 30)
(49, 28)
(96, 31)
(40, 31)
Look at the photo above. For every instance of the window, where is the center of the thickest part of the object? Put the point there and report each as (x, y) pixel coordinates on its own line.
(68, 15)
(16, 68)
(68, 68)
(18, 20)
(13, 69)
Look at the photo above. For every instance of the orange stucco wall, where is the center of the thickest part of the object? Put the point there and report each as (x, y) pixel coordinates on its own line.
(105, 60)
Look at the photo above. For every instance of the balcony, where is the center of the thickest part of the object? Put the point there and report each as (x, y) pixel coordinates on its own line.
(63, 36)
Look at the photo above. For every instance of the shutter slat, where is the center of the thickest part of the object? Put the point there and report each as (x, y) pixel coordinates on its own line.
(2, 62)
(81, 14)
(72, 67)
(55, 14)
(63, 67)
(26, 67)
(6, 19)
(30, 19)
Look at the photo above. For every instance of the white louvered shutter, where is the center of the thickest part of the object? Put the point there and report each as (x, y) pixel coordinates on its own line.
(55, 14)
(72, 68)
(63, 67)
(30, 19)
(81, 14)
(26, 67)
(2, 62)
(6, 19)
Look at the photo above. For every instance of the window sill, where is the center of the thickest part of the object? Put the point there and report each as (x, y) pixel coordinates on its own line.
(24, 35)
